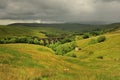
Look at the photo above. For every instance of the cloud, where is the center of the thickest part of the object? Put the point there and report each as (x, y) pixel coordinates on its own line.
(61, 10)
(110, 0)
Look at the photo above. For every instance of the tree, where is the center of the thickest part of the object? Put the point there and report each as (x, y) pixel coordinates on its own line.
(30, 40)
(12, 40)
(36, 41)
(22, 40)
(41, 42)
(47, 42)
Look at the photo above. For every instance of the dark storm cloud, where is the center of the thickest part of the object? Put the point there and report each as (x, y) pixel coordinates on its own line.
(110, 0)
(3, 4)
(34, 9)
(61, 10)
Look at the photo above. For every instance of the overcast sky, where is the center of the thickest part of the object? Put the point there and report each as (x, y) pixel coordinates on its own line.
(59, 11)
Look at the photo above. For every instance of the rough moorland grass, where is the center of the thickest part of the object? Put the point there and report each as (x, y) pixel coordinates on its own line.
(16, 58)
(89, 67)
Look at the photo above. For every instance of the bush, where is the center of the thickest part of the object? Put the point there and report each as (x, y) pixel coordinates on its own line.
(65, 48)
(73, 55)
(85, 36)
(100, 57)
(101, 39)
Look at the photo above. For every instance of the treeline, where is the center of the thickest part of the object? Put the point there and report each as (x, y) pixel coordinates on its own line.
(61, 47)
(29, 40)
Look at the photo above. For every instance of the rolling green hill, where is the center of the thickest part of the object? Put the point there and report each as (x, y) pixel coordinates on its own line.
(51, 30)
(98, 61)
(41, 32)
(74, 27)
(94, 61)
(109, 49)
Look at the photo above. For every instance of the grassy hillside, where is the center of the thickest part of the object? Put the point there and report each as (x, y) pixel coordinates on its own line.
(6, 31)
(51, 30)
(33, 62)
(74, 27)
(109, 49)
(9, 31)
(98, 61)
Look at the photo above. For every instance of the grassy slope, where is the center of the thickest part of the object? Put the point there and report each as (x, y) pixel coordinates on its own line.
(67, 27)
(8, 31)
(108, 49)
(73, 27)
(33, 62)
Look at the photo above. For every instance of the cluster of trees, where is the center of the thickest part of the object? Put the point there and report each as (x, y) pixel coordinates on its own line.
(30, 40)
(62, 49)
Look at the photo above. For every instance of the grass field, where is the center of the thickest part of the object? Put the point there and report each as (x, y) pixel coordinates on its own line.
(99, 61)
(34, 62)
(17, 31)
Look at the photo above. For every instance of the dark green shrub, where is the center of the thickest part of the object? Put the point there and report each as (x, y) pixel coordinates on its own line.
(100, 57)
(74, 55)
(21, 40)
(85, 36)
(90, 53)
(65, 48)
(101, 39)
